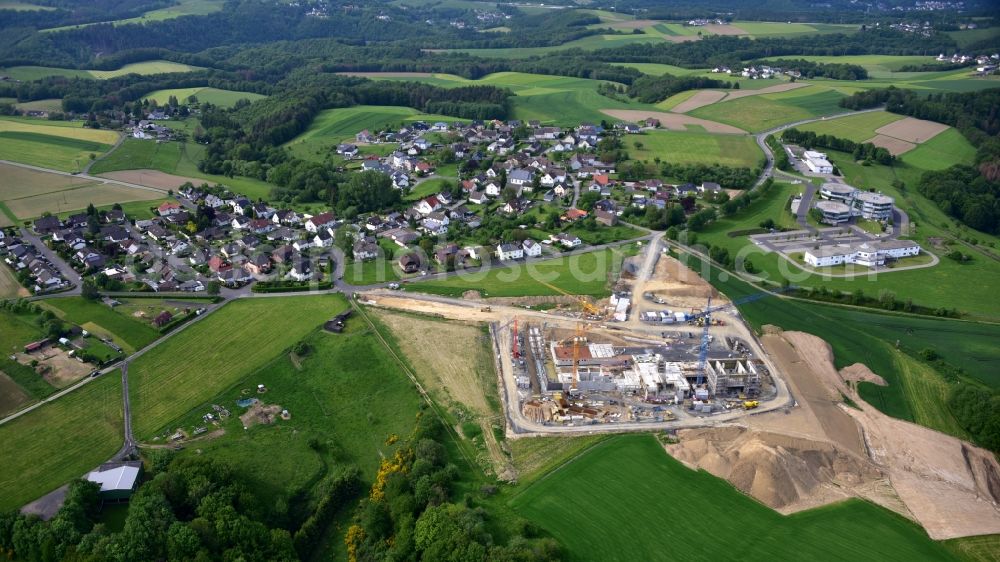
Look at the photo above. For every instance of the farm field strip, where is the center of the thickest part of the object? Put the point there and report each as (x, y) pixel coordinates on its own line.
(60, 441)
(98, 194)
(214, 96)
(188, 369)
(28, 73)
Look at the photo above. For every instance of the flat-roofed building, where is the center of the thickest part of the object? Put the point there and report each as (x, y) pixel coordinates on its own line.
(837, 192)
(817, 162)
(869, 254)
(873, 206)
(834, 212)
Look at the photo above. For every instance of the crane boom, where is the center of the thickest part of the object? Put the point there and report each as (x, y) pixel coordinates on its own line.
(584, 303)
(703, 351)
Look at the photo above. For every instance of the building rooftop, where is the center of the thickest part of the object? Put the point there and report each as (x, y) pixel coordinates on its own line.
(111, 477)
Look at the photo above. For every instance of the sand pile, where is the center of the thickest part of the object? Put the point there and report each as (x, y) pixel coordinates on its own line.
(783, 472)
(859, 372)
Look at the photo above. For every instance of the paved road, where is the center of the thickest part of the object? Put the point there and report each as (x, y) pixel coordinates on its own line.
(67, 272)
(769, 170)
(86, 177)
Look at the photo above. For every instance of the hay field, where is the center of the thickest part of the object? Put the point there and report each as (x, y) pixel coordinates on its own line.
(98, 194)
(17, 182)
(688, 147)
(912, 130)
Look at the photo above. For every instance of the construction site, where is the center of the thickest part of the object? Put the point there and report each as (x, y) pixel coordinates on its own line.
(679, 355)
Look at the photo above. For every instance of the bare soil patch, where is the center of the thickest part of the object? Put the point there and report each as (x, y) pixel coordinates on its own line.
(12, 396)
(859, 372)
(56, 366)
(261, 413)
(672, 121)
(724, 29)
(784, 472)
(893, 145)
(152, 178)
(912, 130)
(737, 94)
(388, 74)
(701, 99)
(680, 286)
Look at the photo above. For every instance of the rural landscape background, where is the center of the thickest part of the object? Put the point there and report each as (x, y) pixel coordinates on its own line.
(283, 263)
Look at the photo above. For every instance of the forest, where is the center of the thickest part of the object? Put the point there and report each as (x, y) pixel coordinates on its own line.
(810, 69)
(970, 194)
(653, 89)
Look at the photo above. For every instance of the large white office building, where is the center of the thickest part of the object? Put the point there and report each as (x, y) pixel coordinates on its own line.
(869, 254)
(865, 204)
(817, 162)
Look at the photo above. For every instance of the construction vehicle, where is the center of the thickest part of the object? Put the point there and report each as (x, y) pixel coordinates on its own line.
(750, 404)
(486, 309)
(588, 309)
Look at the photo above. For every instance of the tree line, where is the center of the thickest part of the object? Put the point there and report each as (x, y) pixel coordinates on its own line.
(812, 69)
(864, 151)
(971, 194)
(653, 89)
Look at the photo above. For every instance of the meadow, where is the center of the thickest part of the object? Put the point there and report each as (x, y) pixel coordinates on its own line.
(180, 158)
(697, 516)
(129, 333)
(350, 407)
(579, 274)
(551, 99)
(29, 73)
(689, 147)
(182, 8)
(66, 201)
(334, 126)
(766, 111)
(214, 96)
(857, 128)
(60, 441)
(188, 369)
(51, 146)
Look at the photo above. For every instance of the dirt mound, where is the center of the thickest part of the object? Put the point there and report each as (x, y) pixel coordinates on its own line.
(859, 372)
(680, 286)
(261, 413)
(784, 472)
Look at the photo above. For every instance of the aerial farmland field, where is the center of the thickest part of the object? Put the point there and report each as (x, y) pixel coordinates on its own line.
(186, 370)
(681, 147)
(699, 516)
(59, 147)
(25, 73)
(60, 441)
(214, 96)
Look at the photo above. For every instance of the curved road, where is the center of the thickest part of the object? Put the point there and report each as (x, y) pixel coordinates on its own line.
(769, 170)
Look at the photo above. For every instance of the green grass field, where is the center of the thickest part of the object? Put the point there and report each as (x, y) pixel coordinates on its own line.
(765, 111)
(943, 151)
(689, 515)
(130, 333)
(180, 158)
(182, 8)
(349, 406)
(857, 128)
(29, 73)
(22, 6)
(551, 99)
(213, 354)
(214, 96)
(60, 441)
(50, 105)
(579, 274)
(679, 147)
(334, 126)
(59, 147)
(135, 154)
